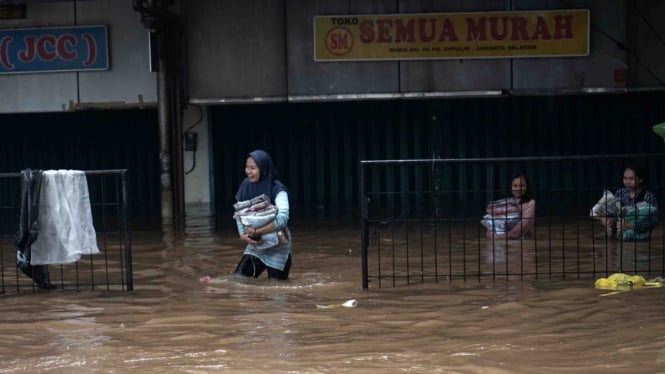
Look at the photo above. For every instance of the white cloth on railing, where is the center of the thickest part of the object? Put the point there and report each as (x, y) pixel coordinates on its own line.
(65, 219)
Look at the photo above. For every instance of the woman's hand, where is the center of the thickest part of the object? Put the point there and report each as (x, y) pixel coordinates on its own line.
(622, 225)
(245, 238)
(253, 233)
(251, 236)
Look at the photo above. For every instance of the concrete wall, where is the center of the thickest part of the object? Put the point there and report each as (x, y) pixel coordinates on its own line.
(197, 164)
(645, 47)
(236, 48)
(128, 82)
(262, 50)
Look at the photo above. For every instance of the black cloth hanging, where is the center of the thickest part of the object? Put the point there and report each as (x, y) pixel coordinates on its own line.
(31, 182)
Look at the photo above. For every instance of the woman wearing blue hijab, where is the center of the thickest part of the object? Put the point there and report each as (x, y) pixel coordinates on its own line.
(262, 179)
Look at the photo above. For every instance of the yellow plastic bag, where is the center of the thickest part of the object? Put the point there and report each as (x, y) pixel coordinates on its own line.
(620, 281)
(623, 282)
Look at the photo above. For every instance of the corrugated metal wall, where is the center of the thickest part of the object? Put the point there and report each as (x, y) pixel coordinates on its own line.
(317, 146)
(90, 140)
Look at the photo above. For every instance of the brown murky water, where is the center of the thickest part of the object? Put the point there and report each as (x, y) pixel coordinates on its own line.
(173, 322)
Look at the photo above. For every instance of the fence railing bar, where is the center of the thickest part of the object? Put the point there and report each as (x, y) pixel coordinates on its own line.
(84, 273)
(555, 253)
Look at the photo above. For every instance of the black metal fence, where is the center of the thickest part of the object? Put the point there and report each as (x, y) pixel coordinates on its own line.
(110, 269)
(420, 220)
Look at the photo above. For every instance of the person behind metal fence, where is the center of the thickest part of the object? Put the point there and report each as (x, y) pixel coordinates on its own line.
(262, 215)
(638, 214)
(512, 217)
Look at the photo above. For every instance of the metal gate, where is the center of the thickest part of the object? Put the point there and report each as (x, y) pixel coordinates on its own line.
(426, 226)
(109, 270)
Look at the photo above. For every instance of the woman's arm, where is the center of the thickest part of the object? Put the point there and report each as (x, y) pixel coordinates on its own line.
(649, 223)
(282, 217)
(244, 232)
(652, 220)
(280, 221)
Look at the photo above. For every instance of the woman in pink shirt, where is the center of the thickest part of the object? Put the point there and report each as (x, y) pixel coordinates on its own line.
(526, 208)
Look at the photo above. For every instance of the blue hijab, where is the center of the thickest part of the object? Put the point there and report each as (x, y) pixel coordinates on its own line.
(268, 183)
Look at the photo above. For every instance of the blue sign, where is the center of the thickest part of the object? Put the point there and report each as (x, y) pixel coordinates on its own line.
(54, 49)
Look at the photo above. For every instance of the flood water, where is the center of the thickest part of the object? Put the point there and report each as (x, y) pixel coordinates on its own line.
(177, 322)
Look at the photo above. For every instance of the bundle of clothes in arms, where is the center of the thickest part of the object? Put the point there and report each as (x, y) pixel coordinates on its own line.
(258, 212)
(501, 215)
(610, 206)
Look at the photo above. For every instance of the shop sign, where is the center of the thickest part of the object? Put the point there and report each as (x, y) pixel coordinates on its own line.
(38, 50)
(516, 34)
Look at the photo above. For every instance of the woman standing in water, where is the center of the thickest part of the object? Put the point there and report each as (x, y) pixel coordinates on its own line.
(525, 208)
(262, 179)
(638, 224)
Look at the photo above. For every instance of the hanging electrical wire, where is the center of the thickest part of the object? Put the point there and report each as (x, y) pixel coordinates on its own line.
(190, 139)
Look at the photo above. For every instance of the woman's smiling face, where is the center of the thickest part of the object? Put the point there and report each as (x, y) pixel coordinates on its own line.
(518, 187)
(252, 171)
(630, 180)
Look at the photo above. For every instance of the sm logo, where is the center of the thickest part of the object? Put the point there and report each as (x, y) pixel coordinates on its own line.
(339, 41)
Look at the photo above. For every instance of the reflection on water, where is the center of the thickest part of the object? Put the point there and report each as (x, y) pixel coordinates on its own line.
(176, 322)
